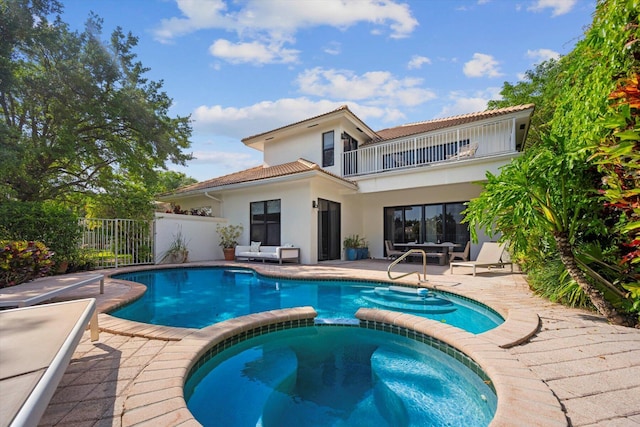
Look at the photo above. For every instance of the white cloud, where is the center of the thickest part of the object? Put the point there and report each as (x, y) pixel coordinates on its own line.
(417, 61)
(374, 87)
(260, 117)
(559, 7)
(198, 15)
(333, 48)
(462, 103)
(482, 65)
(274, 22)
(541, 55)
(253, 52)
(229, 160)
(238, 123)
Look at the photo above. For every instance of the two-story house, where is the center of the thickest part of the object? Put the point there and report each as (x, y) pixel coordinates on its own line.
(331, 176)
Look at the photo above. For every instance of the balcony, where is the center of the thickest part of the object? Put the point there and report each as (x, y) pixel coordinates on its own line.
(452, 145)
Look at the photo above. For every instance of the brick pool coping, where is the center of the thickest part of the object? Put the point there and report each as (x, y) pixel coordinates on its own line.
(157, 395)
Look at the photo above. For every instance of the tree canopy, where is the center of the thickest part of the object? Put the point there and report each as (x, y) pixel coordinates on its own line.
(77, 115)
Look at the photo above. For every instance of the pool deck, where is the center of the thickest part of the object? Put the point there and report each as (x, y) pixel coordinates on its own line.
(561, 366)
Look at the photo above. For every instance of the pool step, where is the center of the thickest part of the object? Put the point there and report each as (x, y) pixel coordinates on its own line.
(425, 302)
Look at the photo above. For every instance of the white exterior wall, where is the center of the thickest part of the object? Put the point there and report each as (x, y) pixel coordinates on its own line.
(306, 145)
(295, 205)
(199, 232)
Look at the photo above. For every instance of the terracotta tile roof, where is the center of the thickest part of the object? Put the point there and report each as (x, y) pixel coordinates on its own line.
(431, 125)
(255, 174)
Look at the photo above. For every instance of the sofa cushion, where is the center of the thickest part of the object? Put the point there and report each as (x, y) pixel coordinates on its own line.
(255, 246)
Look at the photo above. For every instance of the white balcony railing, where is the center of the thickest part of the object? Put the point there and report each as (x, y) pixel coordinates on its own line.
(447, 146)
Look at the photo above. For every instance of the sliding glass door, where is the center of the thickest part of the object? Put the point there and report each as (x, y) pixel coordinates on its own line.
(329, 245)
(435, 223)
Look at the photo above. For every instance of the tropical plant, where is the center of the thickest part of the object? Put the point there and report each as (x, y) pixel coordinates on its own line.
(547, 189)
(178, 249)
(354, 241)
(547, 202)
(229, 235)
(540, 86)
(618, 157)
(21, 261)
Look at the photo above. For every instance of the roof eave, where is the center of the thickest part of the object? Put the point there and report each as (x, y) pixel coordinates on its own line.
(259, 182)
(257, 141)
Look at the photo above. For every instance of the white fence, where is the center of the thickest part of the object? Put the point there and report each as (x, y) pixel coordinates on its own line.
(117, 242)
(113, 243)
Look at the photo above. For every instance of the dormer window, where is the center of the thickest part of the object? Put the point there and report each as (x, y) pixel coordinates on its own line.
(327, 149)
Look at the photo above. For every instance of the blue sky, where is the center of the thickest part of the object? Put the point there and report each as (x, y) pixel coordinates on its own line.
(241, 67)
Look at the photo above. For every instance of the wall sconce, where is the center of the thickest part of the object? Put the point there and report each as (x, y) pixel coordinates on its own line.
(314, 204)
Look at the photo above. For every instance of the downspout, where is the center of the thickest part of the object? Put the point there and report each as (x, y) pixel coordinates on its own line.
(217, 200)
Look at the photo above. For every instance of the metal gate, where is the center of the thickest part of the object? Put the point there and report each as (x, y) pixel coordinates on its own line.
(117, 242)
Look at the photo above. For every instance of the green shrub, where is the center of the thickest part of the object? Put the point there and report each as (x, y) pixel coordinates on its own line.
(551, 280)
(21, 261)
(47, 222)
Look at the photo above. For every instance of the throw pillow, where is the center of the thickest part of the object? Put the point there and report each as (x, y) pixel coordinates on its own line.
(255, 246)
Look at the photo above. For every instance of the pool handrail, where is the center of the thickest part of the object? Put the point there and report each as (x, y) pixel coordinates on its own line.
(405, 255)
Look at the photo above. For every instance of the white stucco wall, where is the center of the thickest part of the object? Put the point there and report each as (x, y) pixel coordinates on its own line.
(306, 145)
(295, 205)
(199, 233)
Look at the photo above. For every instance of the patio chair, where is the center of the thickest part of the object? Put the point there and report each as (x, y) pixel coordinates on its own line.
(466, 152)
(491, 255)
(391, 252)
(464, 255)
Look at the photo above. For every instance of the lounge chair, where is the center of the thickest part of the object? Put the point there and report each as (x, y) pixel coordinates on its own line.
(464, 255)
(37, 345)
(46, 288)
(391, 252)
(491, 255)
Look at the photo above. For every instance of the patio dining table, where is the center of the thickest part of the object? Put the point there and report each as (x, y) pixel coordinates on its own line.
(443, 247)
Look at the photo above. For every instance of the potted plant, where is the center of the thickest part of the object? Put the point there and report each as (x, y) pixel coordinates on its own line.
(178, 251)
(229, 235)
(351, 245)
(363, 249)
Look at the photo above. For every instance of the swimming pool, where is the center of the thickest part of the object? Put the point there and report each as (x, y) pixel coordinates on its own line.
(330, 375)
(197, 297)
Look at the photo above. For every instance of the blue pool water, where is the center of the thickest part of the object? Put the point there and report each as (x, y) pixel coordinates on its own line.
(199, 297)
(337, 376)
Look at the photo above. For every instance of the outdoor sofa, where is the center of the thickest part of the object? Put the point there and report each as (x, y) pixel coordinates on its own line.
(256, 251)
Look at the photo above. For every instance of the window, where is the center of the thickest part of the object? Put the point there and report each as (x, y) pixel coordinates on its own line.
(265, 222)
(434, 223)
(327, 149)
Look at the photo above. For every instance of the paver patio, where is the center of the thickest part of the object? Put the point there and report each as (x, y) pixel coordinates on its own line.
(593, 368)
